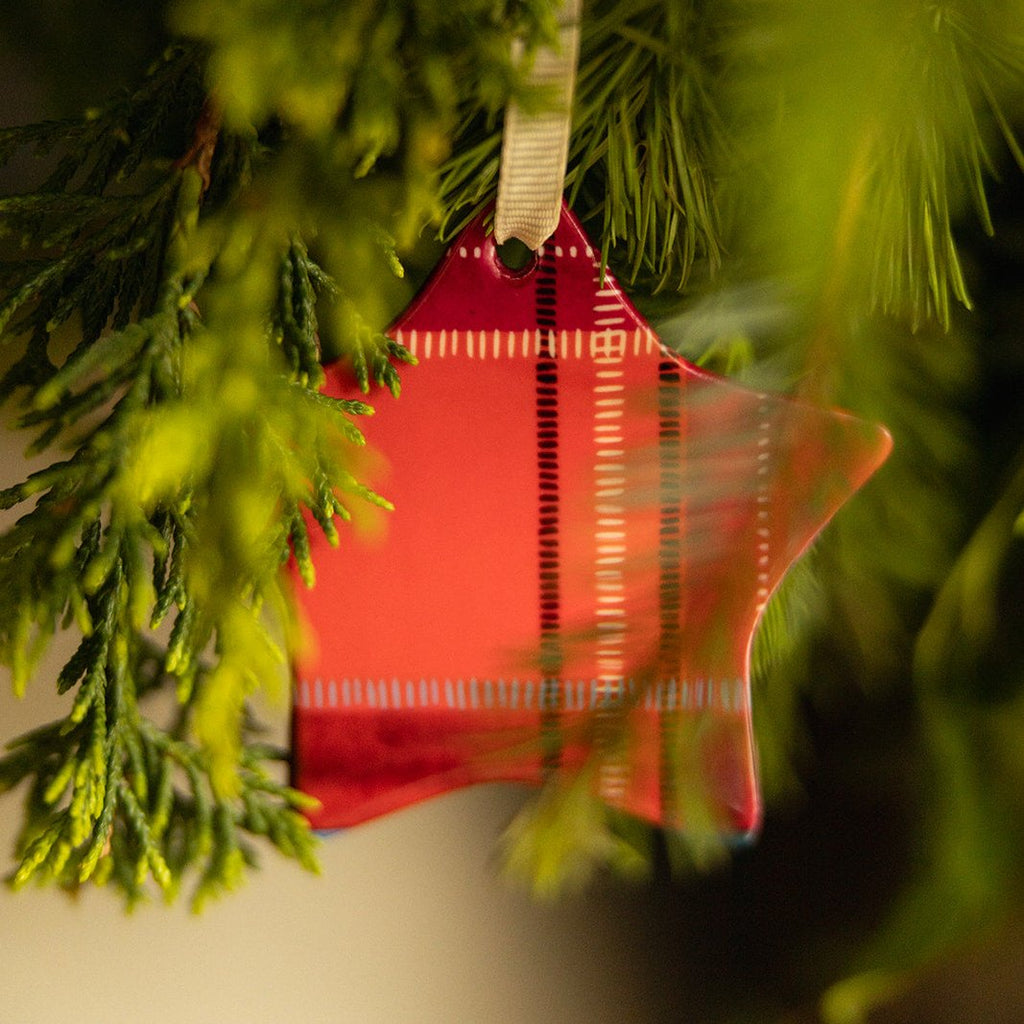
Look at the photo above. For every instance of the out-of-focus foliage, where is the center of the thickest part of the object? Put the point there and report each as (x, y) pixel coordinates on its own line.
(868, 129)
(786, 186)
(179, 495)
(863, 134)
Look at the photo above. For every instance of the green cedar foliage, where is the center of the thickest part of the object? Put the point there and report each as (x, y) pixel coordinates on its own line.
(778, 181)
(166, 431)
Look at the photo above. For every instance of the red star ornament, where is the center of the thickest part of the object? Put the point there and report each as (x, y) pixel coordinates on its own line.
(586, 531)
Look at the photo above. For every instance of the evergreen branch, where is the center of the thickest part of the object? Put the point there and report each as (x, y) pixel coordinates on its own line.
(200, 439)
(647, 136)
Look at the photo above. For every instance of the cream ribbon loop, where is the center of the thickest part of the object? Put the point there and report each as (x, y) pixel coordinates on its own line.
(535, 147)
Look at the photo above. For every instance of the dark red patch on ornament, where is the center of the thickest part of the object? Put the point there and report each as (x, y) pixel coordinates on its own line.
(586, 531)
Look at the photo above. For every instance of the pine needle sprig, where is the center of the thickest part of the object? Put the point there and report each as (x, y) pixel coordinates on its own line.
(646, 137)
(953, 60)
(862, 135)
(644, 131)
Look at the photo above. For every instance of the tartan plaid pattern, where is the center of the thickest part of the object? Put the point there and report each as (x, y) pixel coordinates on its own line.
(586, 531)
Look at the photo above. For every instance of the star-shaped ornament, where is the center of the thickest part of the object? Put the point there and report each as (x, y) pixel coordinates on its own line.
(586, 531)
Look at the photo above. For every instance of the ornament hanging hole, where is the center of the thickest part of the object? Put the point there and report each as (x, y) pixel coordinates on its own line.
(515, 257)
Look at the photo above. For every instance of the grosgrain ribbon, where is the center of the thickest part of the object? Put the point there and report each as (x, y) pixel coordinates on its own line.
(535, 147)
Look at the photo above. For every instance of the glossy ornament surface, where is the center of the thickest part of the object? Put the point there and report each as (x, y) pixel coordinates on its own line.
(586, 531)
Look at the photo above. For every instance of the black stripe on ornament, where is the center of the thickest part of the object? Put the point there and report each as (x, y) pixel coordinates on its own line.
(549, 510)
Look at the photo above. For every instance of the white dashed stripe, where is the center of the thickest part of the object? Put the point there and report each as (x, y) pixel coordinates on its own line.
(605, 346)
(473, 694)
(763, 531)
